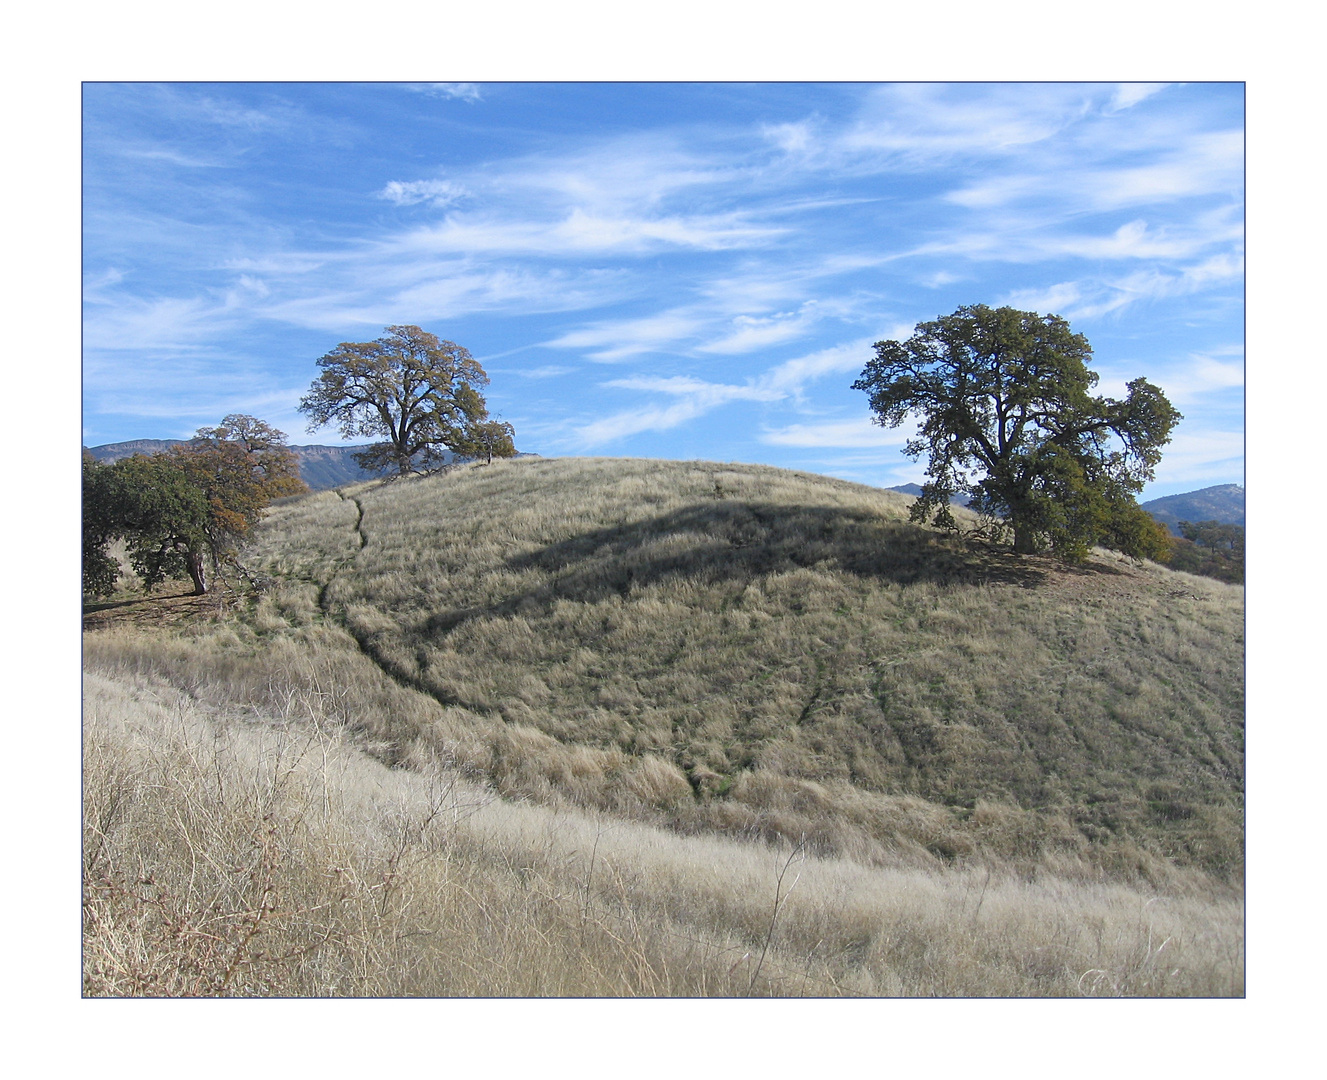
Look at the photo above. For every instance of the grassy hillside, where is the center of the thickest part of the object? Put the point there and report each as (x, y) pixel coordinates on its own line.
(254, 849)
(760, 651)
(634, 727)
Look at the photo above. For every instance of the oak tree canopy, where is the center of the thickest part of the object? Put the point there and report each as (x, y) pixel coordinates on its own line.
(177, 508)
(1007, 417)
(417, 392)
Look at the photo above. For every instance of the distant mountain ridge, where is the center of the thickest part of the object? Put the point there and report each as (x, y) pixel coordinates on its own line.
(321, 467)
(915, 491)
(1223, 503)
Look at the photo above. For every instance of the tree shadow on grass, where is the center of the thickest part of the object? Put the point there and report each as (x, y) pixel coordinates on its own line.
(738, 542)
(91, 608)
(161, 608)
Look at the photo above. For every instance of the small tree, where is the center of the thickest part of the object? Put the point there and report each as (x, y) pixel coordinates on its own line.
(176, 508)
(1211, 548)
(240, 466)
(162, 516)
(408, 386)
(488, 440)
(1008, 418)
(100, 569)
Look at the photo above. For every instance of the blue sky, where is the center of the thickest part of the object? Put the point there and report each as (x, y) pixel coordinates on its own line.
(657, 270)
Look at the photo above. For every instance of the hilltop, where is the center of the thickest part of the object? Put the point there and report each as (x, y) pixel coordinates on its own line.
(746, 648)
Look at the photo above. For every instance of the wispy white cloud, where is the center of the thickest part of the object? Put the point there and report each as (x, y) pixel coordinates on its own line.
(1204, 163)
(423, 290)
(706, 394)
(1056, 299)
(1201, 375)
(1091, 298)
(737, 315)
(856, 432)
(783, 382)
(939, 279)
(544, 371)
(631, 337)
(791, 138)
(580, 233)
(695, 398)
(228, 113)
(281, 263)
(1133, 240)
(411, 192)
(166, 323)
(749, 332)
(169, 155)
(464, 91)
(1200, 457)
(635, 421)
(94, 285)
(786, 381)
(920, 123)
(638, 174)
(792, 376)
(1127, 95)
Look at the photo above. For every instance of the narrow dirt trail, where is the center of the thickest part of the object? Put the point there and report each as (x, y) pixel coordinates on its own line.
(366, 646)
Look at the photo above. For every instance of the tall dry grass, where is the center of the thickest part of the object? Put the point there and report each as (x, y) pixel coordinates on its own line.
(257, 852)
(764, 652)
(614, 728)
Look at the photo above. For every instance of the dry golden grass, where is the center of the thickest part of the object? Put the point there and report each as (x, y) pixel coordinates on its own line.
(806, 660)
(234, 852)
(577, 727)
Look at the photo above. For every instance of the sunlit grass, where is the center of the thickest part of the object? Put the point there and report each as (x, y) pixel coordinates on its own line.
(244, 853)
(631, 694)
(741, 622)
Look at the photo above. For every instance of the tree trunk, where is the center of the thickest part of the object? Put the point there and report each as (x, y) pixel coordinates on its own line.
(1025, 541)
(194, 560)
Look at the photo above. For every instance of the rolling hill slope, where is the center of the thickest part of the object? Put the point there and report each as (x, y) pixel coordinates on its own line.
(757, 651)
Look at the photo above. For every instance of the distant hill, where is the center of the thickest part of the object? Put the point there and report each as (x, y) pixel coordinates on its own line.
(1223, 503)
(916, 489)
(118, 450)
(321, 467)
(783, 654)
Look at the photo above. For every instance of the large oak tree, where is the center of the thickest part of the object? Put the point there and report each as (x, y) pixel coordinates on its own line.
(418, 392)
(1007, 416)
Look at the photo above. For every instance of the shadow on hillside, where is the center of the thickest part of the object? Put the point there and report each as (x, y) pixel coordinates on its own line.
(159, 609)
(90, 608)
(737, 542)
